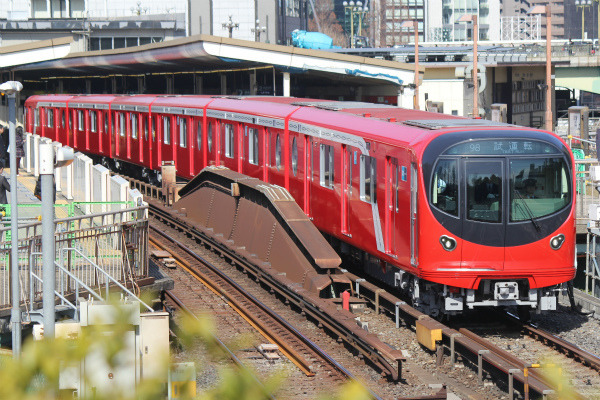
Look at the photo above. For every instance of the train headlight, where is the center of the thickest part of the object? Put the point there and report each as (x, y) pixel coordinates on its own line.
(447, 243)
(557, 241)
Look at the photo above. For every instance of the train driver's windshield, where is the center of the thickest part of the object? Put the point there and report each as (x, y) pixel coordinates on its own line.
(536, 177)
(538, 187)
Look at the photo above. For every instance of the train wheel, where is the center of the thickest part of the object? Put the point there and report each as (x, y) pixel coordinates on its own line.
(524, 313)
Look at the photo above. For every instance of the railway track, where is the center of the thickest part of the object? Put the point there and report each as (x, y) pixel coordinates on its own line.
(483, 355)
(299, 349)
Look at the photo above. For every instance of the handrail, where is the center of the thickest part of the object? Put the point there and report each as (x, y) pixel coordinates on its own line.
(79, 217)
(108, 277)
(60, 296)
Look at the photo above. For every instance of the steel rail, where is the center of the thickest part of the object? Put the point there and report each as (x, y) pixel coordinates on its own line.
(328, 319)
(238, 363)
(286, 348)
(462, 342)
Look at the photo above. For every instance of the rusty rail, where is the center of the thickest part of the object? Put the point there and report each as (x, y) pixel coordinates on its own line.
(339, 322)
(292, 343)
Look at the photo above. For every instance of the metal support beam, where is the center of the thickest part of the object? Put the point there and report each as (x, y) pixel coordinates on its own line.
(223, 84)
(286, 84)
(14, 229)
(48, 269)
(253, 87)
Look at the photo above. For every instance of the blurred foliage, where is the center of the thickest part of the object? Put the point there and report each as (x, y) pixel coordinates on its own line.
(35, 375)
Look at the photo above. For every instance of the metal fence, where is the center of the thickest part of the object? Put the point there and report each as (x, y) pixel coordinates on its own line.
(115, 241)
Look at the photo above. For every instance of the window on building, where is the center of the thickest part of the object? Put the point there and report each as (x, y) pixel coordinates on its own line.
(368, 179)
(39, 9)
(227, 132)
(77, 8)
(327, 165)
(167, 130)
(183, 132)
(253, 148)
(292, 8)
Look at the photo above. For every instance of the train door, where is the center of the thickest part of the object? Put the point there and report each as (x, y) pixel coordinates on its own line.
(391, 182)
(155, 151)
(307, 178)
(182, 147)
(346, 184)
(414, 228)
(483, 212)
(296, 165)
(197, 161)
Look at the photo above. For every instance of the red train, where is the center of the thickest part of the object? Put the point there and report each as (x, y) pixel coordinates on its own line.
(458, 213)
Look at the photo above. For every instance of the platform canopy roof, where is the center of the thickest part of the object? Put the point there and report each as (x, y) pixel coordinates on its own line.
(205, 53)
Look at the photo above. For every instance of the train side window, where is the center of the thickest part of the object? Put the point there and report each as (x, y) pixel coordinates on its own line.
(93, 121)
(122, 124)
(294, 156)
(444, 186)
(134, 126)
(210, 136)
(49, 118)
(368, 179)
(183, 132)
(145, 123)
(167, 130)
(62, 118)
(228, 133)
(253, 148)
(277, 152)
(105, 122)
(36, 117)
(154, 129)
(327, 165)
(80, 124)
(199, 134)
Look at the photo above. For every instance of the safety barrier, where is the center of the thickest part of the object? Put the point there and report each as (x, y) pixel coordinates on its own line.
(114, 241)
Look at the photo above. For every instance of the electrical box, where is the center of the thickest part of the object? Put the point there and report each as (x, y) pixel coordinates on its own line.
(154, 345)
(594, 212)
(499, 112)
(578, 124)
(435, 106)
(595, 173)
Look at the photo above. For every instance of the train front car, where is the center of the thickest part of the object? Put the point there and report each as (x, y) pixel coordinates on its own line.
(498, 221)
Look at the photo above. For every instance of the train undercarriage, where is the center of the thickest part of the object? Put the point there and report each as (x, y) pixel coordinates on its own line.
(442, 300)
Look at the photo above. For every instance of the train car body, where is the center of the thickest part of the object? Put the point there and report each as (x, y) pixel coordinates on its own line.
(458, 213)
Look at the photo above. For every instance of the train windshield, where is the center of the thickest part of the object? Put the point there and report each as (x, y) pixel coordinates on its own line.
(523, 180)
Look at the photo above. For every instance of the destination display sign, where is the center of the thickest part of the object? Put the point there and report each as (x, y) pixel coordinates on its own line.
(501, 147)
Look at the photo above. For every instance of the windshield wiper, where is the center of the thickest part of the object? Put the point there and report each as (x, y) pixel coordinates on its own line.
(527, 210)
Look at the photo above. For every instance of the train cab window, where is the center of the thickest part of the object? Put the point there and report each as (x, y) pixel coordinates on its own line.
(538, 187)
(199, 134)
(183, 132)
(368, 179)
(327, 165)
(484, 190)
(253, 148)
(80, 124)
(444, 186)
(134, 126)
(294, 157)
(167, 130)
(49, 118)
(277, 152)
(228, 133)
(122, 124)
(209, 136)
(93, 121)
